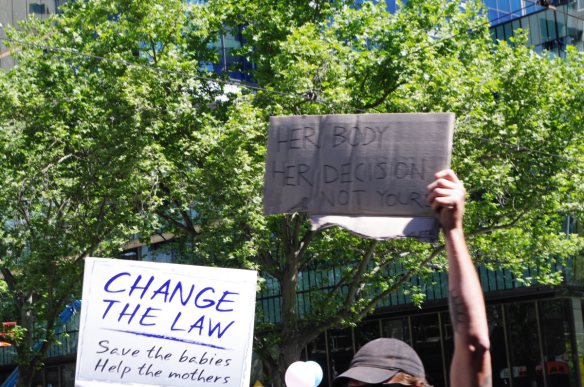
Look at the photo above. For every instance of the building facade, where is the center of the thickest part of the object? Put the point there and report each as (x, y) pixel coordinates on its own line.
(537, 333)
(551, 29)
(12, 11)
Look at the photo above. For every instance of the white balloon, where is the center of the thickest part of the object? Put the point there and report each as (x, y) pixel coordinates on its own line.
(299, 374)
(317, 370)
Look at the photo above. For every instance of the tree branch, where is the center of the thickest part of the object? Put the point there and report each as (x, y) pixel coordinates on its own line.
(356, 284)
(269, 263)
(358, 274)
(46, 169)
(304, 243)
(403, 279)
(512, 223)
(346, 311)
(189, 230)
(383, 97)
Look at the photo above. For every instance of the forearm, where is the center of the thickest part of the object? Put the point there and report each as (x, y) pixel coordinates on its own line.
(467, 306)
(471, 364)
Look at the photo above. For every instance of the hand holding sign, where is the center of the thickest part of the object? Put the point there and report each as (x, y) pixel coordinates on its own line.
(447, 196)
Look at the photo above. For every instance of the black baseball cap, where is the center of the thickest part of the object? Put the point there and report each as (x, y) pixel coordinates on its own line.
(381, 359)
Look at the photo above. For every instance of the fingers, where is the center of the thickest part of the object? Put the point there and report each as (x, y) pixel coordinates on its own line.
(447, 174)
(446, 196)
(446, 190)
(438, 203)
(445, 179)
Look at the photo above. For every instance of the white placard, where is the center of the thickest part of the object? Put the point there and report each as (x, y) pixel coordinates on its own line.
(145, 323)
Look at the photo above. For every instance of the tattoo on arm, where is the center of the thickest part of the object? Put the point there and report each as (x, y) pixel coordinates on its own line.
(488, 382)
(457, 309)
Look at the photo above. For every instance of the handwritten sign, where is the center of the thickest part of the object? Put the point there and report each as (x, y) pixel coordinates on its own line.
(160, 324)
(366, 164)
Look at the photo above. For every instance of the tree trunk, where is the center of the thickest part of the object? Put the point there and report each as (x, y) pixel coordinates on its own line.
(27, 361)
(292, 337)
(290, 352)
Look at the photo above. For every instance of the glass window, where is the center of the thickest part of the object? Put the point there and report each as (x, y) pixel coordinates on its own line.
(68, 375)
(525, 26)
(366, 332)
(561, 22)
(493, 34)
(37, 8)
(517, 8)
(534, 30)
(524, 348)
(340, 344)
(131, 254)
(508, 31)
(391, 6)
(555, 317)
(448, 339)
(492, 13)
(316, 351)
(499, 362)
(428, 344)
(504, 9)
(551, 24)
(515, 25)
(500, 33)
(575, 28)
(397, 329)
(543, 26)
(491, 4)
(270, 309)
(493, 16)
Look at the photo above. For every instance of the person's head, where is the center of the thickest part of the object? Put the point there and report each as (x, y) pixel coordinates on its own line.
(384, 361)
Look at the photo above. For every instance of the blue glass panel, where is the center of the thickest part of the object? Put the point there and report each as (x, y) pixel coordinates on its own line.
(490, 3)
(391, 6)
(504, 6)
(551, 23)
(492, 15)
(515, 25)
(508, 31)
(526, 27)
(500, 33)
(562, 24)
(516, 7)
(534, 31)
(493, 34)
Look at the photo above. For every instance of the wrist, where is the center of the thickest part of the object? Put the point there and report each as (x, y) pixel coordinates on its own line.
(454, 231)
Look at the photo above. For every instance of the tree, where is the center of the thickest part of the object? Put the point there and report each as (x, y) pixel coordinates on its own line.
(79, 145)
(124, 82)
(517, 141)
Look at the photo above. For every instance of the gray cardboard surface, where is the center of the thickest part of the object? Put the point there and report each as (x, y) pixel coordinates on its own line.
(355, 164)
(423, 228)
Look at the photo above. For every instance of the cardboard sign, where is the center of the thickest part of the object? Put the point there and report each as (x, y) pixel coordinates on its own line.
(161, 324)
(366, 164)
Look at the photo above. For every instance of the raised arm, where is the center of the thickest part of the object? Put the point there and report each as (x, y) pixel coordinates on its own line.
(471, 363)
